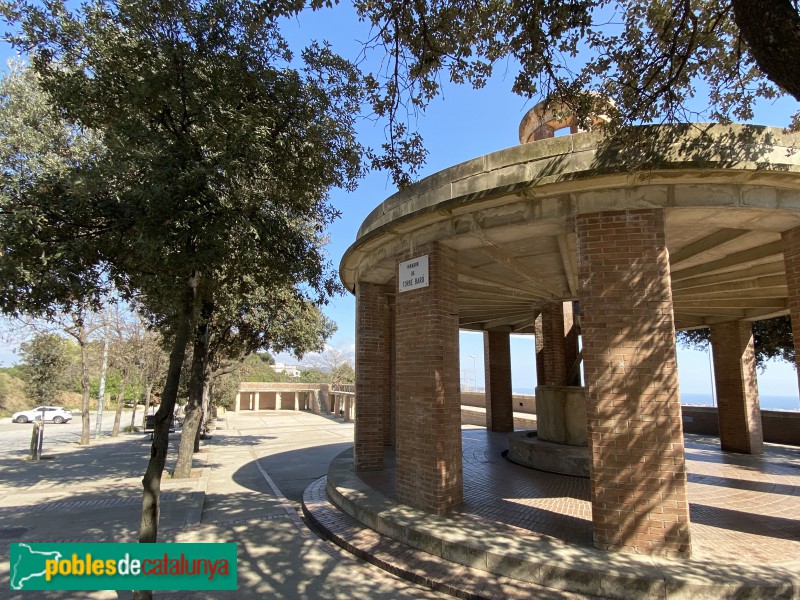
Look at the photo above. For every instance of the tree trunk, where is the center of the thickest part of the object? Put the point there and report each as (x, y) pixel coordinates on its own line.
(194, 415)
(771, 30)
(204, 415)
(151, 482)
(101, 394)
(120, 403)
(148, 390)
(191, 425)
(135, 404)
(85, 425)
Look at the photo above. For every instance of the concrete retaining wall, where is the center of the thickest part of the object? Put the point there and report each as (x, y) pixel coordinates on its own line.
(523, 403)
(473, 415)
(779, 426)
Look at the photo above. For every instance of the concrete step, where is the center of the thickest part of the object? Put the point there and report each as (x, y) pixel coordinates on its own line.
(545, 561)
(414, 565)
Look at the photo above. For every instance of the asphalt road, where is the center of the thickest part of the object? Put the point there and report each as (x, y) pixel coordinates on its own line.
(16, 437)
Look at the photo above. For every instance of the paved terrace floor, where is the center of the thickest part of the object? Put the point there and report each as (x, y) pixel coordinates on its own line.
(744, 509)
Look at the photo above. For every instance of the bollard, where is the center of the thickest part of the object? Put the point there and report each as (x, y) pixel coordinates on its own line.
(36, 442)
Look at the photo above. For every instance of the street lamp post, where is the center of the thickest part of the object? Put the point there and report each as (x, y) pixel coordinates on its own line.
(474, 373)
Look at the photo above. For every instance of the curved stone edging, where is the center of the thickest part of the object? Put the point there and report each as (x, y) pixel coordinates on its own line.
(529, 451)
(549, 562)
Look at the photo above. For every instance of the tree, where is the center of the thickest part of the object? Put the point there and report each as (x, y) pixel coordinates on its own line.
(123, 326)
(337, 363)
(217, 160)
(81, 323)
(41, 152)
(151, 360)
(44, 361)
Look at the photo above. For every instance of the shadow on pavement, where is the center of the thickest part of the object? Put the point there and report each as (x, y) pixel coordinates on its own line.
(294, 470)
(123, 459)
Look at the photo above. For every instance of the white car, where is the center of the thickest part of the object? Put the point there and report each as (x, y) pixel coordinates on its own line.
(56, 414)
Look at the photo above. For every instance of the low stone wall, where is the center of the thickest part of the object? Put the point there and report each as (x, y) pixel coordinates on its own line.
(475, 415)
(779, 426)
(263, 386)
(522, 402)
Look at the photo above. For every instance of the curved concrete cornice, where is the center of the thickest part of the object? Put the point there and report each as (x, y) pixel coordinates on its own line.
(586, 156)
(545, 183)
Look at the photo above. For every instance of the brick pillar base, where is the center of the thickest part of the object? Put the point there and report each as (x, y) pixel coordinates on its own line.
(791, 261)
(737, 387)
(429, 474)
(497, 362)
(373, 374)
(638, 472)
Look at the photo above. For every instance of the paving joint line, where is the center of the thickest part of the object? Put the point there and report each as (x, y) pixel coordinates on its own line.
(282, 500)
(77, 504)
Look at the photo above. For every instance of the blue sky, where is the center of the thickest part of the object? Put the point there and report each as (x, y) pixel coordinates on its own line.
(461, 124)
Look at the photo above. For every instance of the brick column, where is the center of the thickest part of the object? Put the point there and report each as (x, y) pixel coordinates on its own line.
(554, 346)
(428, 411)
(638, 471)
(791, 261)
(390, 402)
(737, 387)
(238, 405)
(373, 373)
(538, 338)
(570, 344)
(497, 363)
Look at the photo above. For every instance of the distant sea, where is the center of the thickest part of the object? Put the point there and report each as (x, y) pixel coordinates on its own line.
(767, 402)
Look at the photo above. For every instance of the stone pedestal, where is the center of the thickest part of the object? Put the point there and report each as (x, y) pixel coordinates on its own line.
(526, 449)
(560, 444)
(561, 415)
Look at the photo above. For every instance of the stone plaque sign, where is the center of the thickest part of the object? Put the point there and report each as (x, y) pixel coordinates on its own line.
(413, 274)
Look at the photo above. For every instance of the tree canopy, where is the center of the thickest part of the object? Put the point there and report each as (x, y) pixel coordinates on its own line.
(42, 205)
(656, 61)
(44, 361)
